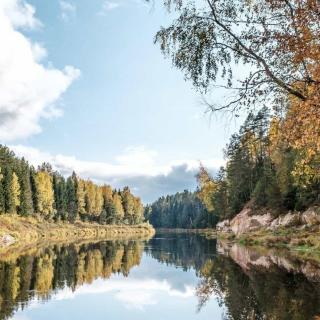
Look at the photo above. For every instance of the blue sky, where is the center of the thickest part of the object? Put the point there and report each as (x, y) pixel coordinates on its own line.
(119, 112)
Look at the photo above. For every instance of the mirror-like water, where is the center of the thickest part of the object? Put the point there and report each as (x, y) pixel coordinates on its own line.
(172, 276)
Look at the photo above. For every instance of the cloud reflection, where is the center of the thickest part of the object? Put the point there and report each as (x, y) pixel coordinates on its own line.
(132, 293)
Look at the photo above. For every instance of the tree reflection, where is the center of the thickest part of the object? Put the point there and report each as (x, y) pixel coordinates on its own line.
(249, 285)
(41, 274)
(257, 292)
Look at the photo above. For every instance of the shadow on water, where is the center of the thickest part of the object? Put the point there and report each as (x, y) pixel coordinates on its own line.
(248, 283)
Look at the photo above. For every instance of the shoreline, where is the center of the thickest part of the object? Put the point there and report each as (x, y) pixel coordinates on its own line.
(302, 242)
(292, 230)
(17, 231)
(206, 231)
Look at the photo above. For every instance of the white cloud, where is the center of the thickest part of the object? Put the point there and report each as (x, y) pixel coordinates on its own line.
(19, 13)
(138, 156)
(29, 90)
(68, 10)
(109, 5)
(136, 167)
(132, 293)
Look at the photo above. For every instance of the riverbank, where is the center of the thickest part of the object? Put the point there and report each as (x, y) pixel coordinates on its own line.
(15, 230)
(293, 230)
(207, 231)
(306, 241)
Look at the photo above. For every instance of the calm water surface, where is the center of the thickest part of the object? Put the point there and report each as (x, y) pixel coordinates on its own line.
(172, 276)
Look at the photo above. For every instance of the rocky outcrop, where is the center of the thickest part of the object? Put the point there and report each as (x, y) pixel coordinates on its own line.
(288, 220)
(223, 226)
(247, 221)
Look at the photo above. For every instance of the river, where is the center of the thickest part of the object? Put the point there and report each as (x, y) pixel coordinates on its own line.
(171, 276)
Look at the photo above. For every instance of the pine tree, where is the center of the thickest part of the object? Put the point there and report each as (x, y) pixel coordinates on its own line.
(71, 194)
(60, 196)
(7, 190)
(26, 205)
(2, 204)
(15, 192)
(34, 191)
(103, 218)
(109, 212)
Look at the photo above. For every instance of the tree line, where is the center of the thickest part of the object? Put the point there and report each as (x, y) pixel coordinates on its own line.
(181, 210)
(27, 191)
(263, 168)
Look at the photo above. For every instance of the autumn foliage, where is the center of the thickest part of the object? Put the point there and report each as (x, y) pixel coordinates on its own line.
(274, 160)
(27, 191)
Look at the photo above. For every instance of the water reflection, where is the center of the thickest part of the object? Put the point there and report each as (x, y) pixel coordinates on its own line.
(262, 284)
(171, 276)
(46, 271)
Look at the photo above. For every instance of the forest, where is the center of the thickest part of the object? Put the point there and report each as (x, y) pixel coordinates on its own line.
(181, 210)
(45, 193)
(264, 57)
(262, 167)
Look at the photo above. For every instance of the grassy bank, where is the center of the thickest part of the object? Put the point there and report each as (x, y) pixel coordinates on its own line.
(304, 241)
(28, 230)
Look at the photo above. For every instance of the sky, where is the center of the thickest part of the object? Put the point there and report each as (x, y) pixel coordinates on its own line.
(84, 87)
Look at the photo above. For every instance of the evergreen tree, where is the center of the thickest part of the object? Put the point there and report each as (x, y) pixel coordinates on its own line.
(15, 192)
(34, 191)
(103, 217)
(60, 196)
(2, 203)
(7, 190)
(71, 199)
(26, 203)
